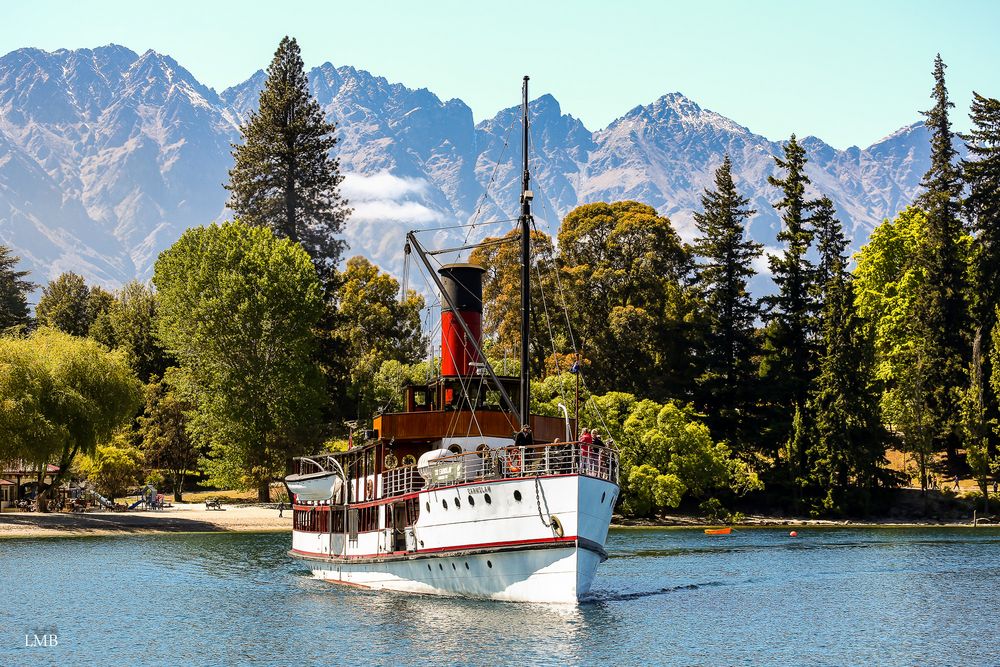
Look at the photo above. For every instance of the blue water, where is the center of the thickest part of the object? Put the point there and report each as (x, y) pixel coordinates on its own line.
(828, 597)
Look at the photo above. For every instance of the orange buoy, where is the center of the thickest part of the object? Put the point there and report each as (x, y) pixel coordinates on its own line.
(718, 531)
(793, 534)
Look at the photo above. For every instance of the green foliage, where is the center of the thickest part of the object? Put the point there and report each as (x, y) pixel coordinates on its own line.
(392, 375)
(726, 387)
(162, 429)
(284, 176)
(237, 311)
(976, 427)
(130, 322)
(113, 468)
(667, 452)
(373, 326)
(501, 257)
(14, 291)
(788, 363)
(625, 269)
(941, 305)
(61, 395)
(65, 305)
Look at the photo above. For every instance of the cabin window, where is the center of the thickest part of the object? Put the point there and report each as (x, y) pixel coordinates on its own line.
(420, 398)
(455, 448)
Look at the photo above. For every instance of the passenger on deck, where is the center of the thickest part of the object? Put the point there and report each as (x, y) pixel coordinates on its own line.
(586, 440)
(524, 437)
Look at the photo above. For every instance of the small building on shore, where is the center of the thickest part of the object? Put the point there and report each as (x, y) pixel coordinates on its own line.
(18, 480)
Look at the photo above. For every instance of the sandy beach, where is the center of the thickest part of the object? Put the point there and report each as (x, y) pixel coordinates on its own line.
(181, 517)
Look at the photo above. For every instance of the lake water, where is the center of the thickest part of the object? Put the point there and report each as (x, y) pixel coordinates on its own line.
(830, 596)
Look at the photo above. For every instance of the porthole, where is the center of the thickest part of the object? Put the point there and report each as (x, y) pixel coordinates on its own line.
(487, 498)
(428, 567)
(444, 503)
(489, 564)
(517, 496)
(458, 503)
(440, 567)
(422, 546)
(602, 497)
(453, 566)
(466, 565)
(472, 501)
(428, 504)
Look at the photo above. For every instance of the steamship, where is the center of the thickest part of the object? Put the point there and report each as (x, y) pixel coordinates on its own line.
(442, 498)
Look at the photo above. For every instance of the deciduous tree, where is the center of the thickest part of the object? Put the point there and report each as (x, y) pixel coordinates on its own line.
(237, 310)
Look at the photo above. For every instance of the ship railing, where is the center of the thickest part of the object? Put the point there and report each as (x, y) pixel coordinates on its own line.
(401, 480)
(561, 458)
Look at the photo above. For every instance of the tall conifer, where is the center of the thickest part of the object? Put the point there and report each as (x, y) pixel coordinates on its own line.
(982, 176)
(13, 291)
(285, 177)
(941, 305)
(849, 442)
(725, 266)
(788, 361)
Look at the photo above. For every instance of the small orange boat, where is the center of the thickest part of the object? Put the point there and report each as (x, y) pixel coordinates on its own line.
(718, 531)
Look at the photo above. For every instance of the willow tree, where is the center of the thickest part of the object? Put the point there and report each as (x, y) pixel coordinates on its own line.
(285, 176)
(61, 396)
(237, 310)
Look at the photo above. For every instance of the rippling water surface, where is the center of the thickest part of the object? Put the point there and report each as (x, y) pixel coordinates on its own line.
(830, 596)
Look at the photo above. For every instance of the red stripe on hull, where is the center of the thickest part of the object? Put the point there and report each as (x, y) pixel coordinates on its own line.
(438, 550)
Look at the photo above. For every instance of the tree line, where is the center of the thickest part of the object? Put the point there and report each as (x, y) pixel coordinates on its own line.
(252, 345)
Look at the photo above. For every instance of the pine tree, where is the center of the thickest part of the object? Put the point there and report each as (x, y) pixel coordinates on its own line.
(65, 305)
(788, 362)
(13, 291)
(941, 305)
(849, 441)
(982, 176)
(284, 177)
(726, 255)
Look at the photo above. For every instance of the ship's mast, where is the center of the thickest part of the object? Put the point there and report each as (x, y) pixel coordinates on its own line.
(525, 221)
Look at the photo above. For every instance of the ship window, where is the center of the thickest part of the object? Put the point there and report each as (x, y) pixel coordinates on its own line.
(487, 498)
(602, 497)
(428, 567)
(458, 503)
(466, 565)
(455, 448)
(472, 501)
(453, 566)
(444, 503)
(489, 563)
(428, 506)
(517, 496)
(440, 566)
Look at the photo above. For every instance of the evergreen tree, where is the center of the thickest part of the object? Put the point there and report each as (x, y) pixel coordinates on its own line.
(849, 443)
(727, 383)
(941, 305)
(13, 291)
(284, 177)
(788, 362)
(982, 175)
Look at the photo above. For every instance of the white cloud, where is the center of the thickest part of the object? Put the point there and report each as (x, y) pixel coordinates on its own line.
(385, 211)
(761, 264)
(381, 186)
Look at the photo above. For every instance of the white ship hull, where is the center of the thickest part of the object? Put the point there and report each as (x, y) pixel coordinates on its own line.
(507, 549)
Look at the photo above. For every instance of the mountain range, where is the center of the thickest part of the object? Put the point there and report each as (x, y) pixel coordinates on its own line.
(107, 156)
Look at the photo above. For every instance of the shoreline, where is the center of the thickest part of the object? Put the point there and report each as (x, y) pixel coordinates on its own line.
(181, 518)
(194, 518)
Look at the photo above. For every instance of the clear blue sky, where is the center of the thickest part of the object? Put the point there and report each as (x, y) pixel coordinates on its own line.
(847, 71)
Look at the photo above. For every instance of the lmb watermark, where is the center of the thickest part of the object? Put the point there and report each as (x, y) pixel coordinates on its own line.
(41, 638)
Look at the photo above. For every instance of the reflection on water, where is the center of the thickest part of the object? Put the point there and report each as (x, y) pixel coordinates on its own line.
(831, 596)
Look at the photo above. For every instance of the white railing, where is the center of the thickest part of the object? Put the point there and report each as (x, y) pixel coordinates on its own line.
(530, 461)
(399, 481)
